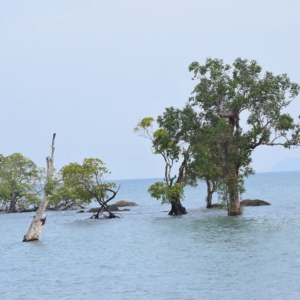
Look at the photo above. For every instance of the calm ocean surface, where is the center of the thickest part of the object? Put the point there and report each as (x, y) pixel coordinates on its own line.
(150, 255)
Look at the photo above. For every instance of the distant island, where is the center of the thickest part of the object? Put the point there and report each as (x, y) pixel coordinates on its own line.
(288, 164)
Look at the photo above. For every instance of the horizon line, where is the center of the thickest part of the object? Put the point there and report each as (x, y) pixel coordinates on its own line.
(144, 178)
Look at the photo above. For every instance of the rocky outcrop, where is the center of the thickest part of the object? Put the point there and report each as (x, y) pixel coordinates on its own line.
(122, 203)
(256, 202)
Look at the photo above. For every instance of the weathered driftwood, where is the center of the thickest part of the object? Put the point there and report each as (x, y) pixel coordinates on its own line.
(39, 219)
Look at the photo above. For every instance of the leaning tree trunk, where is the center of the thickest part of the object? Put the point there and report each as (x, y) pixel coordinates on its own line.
(234, 208)
(39, 220)
(177, 209)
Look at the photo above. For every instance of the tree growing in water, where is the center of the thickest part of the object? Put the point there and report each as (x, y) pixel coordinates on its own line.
(183, 136)
(167, 144)
(86, 182)
(223, 93)
(20, 183)
(62, 198)
(209, 146)
(206, 159)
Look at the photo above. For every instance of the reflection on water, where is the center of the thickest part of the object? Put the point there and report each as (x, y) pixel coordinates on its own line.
(149, 255)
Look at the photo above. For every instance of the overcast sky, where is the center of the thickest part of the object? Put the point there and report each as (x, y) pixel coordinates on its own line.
(89, 70)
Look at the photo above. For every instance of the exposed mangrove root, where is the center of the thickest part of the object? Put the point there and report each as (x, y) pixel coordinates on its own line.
(102, 215)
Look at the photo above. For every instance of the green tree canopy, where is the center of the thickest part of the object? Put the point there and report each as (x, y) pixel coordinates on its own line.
(223, 93)
(86, 182)
(20, 182)
(168, 141)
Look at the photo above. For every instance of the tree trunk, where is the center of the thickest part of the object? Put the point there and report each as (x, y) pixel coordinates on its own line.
(104, 205)
(234, 208)
(12, 206)
(39, 219)
(177, 209)
(209, 194)
(111, 215)
(13, 203)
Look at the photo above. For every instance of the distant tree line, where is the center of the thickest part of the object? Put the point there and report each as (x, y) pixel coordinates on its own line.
(22, 185)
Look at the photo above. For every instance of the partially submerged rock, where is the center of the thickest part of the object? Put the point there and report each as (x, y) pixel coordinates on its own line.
(122, 203)
(255, 202)
(110, 207)
(218, 205)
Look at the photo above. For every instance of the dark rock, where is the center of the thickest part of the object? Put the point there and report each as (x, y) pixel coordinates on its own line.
(110, 207)
(256, 202)
(94, 209)
(113, 207)
(80, 211)
(125, 203)
(218, 205)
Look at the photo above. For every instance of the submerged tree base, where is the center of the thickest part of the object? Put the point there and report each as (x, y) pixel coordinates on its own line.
(177, 209)
(235, 213)
(35, 229)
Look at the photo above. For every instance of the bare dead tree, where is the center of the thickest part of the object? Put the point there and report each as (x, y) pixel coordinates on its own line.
(39, 220)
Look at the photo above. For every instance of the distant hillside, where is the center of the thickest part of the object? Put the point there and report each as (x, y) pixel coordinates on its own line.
(288, 164)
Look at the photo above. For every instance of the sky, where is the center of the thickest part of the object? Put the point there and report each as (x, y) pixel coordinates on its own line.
(91, 70)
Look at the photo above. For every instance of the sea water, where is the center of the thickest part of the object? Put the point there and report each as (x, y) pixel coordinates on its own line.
(147, 254)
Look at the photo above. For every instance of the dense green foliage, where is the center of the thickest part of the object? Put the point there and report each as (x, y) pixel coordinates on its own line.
(166, 141)
(207, 134)
(167, 194)
(61, 197)
(83, 183)
(20, 182)
(182, 136)
(223, 93)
